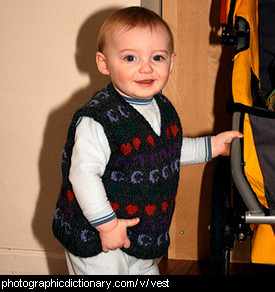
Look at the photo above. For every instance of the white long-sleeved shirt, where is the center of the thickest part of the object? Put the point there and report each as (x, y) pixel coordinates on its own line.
(91, 154)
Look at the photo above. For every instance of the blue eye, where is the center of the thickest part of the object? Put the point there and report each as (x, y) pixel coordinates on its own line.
(158, 58)
(130, 58)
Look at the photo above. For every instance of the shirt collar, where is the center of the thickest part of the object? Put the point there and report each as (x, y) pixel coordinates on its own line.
(137, 101)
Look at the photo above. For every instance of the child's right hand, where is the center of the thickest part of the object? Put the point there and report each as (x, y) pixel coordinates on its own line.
(113, 234)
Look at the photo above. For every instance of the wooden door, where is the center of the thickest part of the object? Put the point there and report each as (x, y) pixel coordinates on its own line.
(199, 88)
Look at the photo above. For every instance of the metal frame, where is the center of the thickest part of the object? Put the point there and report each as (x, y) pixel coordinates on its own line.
(154, 5)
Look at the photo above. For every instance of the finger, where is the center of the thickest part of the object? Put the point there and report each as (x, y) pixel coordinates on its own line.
(230, 135)
(127, 243)
(132, 222)
(105, 249)
(237, 134)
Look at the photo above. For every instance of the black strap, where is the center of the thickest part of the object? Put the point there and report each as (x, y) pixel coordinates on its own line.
(260, 112)
(231, 14)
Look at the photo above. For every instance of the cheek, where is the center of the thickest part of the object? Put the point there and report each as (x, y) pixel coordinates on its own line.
(164, 74)
(163, 70)
(118, 74)
(122, 78)
(125, 75)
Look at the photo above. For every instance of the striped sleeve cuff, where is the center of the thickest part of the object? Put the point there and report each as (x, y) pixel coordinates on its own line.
(102, 220)
(102, 216)
(208, 149)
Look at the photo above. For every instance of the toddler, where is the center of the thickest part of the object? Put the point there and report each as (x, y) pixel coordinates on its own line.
(123, 154)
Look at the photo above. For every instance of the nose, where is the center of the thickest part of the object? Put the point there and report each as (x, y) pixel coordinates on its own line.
(145, 67)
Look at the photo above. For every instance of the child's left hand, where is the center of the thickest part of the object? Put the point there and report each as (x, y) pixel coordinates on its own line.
(221, 143)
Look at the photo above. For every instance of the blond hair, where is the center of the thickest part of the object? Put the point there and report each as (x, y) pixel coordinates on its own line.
(132, 17)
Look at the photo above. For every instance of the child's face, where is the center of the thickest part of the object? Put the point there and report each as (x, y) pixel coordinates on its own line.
(138, 61)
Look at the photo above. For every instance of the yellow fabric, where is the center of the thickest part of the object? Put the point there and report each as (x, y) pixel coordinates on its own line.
(263, 245)
(245, 60)
(252, 168)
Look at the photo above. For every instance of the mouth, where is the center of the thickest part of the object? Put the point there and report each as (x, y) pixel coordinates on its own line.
(145, 82)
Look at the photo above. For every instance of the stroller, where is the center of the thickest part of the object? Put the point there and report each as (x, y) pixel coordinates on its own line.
(248, 210)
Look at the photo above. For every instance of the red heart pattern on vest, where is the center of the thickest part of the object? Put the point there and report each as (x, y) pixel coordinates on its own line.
(174, 130)
(164, 206)
(131, 209)
(70, 195)
(168, 133)
(150, 209)
(151, 141)
(136, 143)
(126, 149)
(114, 205)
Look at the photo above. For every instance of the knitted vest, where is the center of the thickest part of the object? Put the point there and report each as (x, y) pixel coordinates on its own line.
(141, 177)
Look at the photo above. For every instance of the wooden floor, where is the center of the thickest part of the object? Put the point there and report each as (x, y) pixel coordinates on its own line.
(182, 267)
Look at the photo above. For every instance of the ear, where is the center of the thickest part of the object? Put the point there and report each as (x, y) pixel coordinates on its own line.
(101, 64)
(173, 60)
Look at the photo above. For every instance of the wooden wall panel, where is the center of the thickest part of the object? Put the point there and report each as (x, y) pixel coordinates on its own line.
(199, 88)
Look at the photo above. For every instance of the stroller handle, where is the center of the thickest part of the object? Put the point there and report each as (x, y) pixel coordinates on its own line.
(237, 170)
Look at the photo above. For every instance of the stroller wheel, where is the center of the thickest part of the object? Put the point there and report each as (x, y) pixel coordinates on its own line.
(221, 225)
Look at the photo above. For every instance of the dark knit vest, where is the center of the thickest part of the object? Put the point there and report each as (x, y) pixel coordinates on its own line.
(141, 177)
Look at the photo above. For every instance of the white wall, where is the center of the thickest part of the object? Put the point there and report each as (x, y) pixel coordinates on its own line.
(43, 82)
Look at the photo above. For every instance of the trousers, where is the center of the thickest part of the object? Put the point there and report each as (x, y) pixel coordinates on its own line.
(114, 262)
